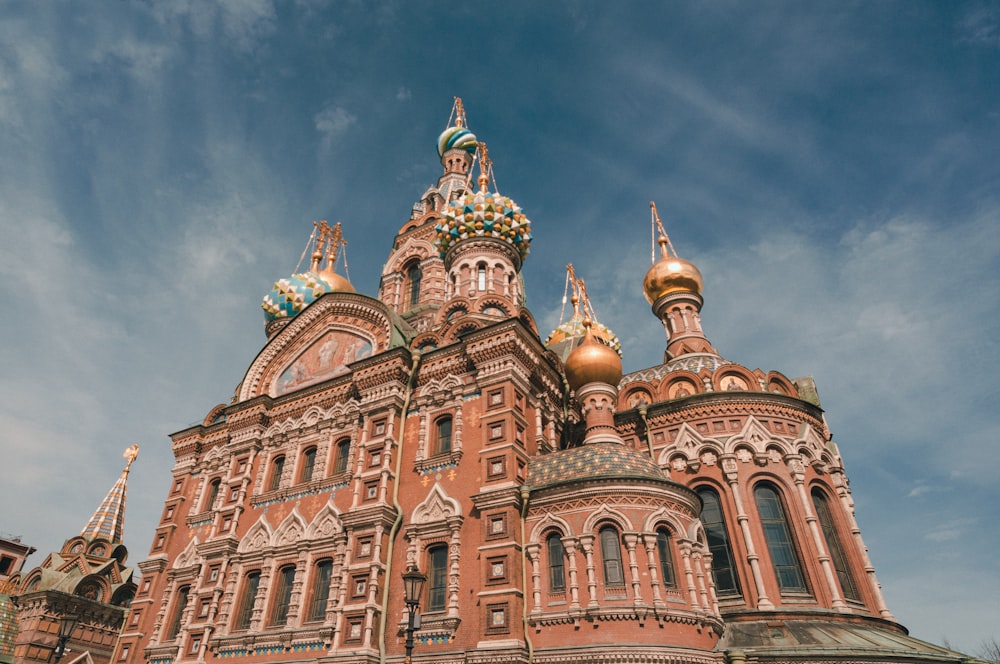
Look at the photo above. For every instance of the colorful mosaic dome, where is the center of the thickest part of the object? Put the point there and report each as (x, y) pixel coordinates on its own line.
(458, 138)
(593, 461)
(292, 295)
(568, 336)
(484, 214)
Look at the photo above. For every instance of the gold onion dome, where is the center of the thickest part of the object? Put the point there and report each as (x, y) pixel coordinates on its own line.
(573, 331)
(670, 274)
(592, 362)
(337, 282)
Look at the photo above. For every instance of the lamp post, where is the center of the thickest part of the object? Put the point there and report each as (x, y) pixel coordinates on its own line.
(67, 623)
(413, 587)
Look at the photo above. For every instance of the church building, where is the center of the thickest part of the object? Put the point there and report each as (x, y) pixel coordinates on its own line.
(554, 509)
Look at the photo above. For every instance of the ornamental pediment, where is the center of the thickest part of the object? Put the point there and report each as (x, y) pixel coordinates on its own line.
(322, 343)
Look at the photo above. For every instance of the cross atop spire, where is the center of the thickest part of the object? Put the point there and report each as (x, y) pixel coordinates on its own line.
(664, 239)
(108, 521)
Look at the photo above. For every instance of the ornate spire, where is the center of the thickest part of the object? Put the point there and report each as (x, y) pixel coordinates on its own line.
(108, 521)
(673, 286)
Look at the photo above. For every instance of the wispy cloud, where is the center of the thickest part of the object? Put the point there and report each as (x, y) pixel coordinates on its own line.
(980, 25)
(333, 121)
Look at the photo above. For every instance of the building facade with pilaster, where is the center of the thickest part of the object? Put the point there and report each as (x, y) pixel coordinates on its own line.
(693, 511)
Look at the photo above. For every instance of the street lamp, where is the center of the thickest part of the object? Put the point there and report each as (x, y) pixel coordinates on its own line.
(67, 623)
(413, 587)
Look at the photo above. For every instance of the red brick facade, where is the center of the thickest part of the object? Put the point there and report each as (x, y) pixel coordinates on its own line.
(431, 427)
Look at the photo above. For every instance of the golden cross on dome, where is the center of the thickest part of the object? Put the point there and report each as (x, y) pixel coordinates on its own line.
(664, 239)
(330, 243)
(582, 307)
(485, 166)
(459, 112)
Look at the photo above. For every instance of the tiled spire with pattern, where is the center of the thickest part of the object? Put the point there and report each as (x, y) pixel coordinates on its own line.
(108, 521)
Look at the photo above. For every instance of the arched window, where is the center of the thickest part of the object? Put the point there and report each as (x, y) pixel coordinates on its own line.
(727, 583)
(784, 559)
(611, 557)
(180, 603)
(833, 545)
(481, 277)
(557, 562)
(340, 459)
(308, 463)
(320, 590)
(413, 278)
(282, 595)
(442, 435)
(213, 493)
(666, 557)
(277, 467)
(437, 577)
(244, 613)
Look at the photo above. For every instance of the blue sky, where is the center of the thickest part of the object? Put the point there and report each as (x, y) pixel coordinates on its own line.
(831, 167)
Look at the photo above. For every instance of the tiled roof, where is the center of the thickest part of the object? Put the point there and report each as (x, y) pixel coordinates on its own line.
(592, 461)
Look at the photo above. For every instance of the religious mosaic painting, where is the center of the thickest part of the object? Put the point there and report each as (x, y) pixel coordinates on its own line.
(325, 358)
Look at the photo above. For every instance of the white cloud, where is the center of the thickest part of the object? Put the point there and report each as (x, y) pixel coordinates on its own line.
(242, 22)
(144, 60)
(334, 120)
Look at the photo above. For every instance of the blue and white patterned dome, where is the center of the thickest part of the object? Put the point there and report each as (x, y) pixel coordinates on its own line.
(456, 138)
(292, 295)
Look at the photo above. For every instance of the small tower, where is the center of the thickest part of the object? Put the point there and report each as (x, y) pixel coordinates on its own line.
(413, 279)
(483, 239)
(673, 286)
(593, 370)
(86, 580)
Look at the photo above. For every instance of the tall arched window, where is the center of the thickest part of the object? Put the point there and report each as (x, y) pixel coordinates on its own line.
(340, 459)
(666, 557)
(213, 493)
(320, 590)
(282, 595)
(277, 467)
(248, 597)
(413, 278)
(727, 582)
(833, 545)
(557, 562)
(611, 557)
(308, 463)
(784, 559)
(481, 277)
(437, 577)
(180, 603)
(442, 435)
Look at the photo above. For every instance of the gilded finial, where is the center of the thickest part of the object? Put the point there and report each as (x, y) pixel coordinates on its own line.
(485, 166)
(320, 230)
(459, 112)
(663, 240)
(131, 454)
